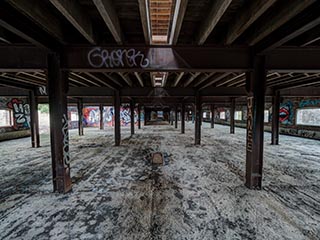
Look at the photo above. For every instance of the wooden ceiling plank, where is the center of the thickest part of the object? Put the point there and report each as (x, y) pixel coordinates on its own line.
(76, 15)
(290, 10)
(246, 17)
(216, 12)
(109, 15)
(41, 15)
(179, 12)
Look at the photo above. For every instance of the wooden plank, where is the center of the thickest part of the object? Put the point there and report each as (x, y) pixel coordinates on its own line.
(179, 12)
(290, 9)
(145, 20)
(76, 15)
(109, 15)
(216, 12)
(41, 15)
(246, 17)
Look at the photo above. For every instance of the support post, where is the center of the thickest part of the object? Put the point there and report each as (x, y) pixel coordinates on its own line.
(275, 118)
(212, 115)
(232, 111)
(139, 116)
(175, 117)
(183, 118)
(80, 114)
(101, 117)
(198, 107)
(171, 114)
(256, 84)
(117, 133)
(58, 88)
(132, 116)
(34, 120)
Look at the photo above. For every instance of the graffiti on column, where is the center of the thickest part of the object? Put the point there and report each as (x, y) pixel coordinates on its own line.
(21, 113)
(286, 113)
(65, 134)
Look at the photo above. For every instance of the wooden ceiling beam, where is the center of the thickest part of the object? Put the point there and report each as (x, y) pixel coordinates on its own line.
(288, 11)
(179, 12)
(204, 78)
(290, 31)
(145, 20)
(246, 17)
(216, 12)
(92, 75)
(139, 78)
(178, 79)
(113, 79)
(76, 15)
(109, 15)
(214, 80)
(125, 78)
(41, 15)
(192, 78)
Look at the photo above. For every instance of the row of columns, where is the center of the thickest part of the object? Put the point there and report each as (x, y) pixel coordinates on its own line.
(58, 88)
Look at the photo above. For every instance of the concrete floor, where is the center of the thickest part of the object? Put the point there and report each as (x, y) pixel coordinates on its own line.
(198, 193)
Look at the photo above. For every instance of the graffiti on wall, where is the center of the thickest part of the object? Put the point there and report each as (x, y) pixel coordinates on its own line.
(91, 116)
(286, 113)
(309, 103)
(21, 113)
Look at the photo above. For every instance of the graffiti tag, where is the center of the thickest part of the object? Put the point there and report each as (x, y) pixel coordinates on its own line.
(309, 102)
(21, 113)
(99, 58)
(250, 124)
(286, 113)
(43, 90)
(65, 134)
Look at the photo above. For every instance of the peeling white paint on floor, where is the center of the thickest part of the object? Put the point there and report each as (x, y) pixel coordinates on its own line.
(199, 194)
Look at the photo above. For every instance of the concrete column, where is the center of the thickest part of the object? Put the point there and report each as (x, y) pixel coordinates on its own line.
(232, 111)
(176, 117)
(198, 111)
(212, 115)
(256, 84)
(101, 117)
(80, 114)
(117, 133)
(34, 120)
(58, 88)
(275, 118)
(183, 118)
(139, 116)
